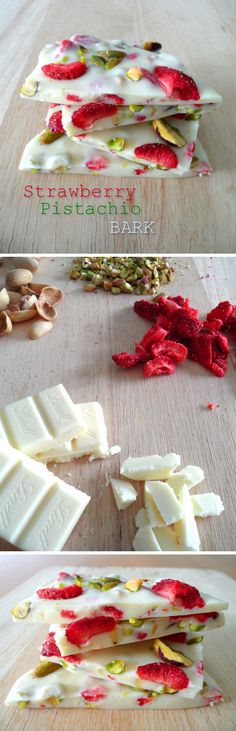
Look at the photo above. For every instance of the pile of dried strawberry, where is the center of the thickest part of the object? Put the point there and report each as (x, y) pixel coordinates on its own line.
(178, 333)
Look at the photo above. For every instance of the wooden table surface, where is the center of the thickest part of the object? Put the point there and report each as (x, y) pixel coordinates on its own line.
(19, 653)
(194, 215)
(143, 416)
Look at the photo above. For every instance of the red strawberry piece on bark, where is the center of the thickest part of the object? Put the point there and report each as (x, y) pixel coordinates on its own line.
(160, 154)
(113, 99)
(65, 44)
(200, 617)
(144, 700)
(178, 593)
(147, 310)
(160, 672)
(73, 98)
(161, 366)
(90, 113)
(64, 71)
(81, 631)
(169, 348)
(55, 122)
(49, 646)
(111, 611)
(68, 614)
(176, 83)
(223, 311)
(94, 694)
(66, 592)
(97, 163)
(126, 360)
(179, 637)
(75, 659)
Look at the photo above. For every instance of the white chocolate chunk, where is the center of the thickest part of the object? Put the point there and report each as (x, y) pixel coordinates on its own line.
(186, 530)
(93, 441)
(145, 540)
(166, 538)
(190, 476)
(141, 518)
(124, 493)
(207, 504)
(165, 501)
(150, 468)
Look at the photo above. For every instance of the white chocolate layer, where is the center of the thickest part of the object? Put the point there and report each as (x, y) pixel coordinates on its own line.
(186, 530)
(93, 440)
(164, 501)
(124, 493)
(206, 504)
(152, 467)
(190, 476)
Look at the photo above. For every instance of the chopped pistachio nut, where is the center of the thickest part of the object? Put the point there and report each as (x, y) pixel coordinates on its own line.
(135, 107)
(48, 136)
(168, 132)
(152, 46)
(44, 668)
(117, 143)
(135, 74)
(29, 88)
(195, 640)
(134, 584)
(53, 700)
(23, 704)
(137, 275)
(136, 622)
(20, 611)
(116, 667)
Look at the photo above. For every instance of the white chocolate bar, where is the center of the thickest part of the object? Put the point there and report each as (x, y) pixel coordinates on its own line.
(152, 467)
(37, 510)
(133, 630)
(92, 441)
(78, 690)
(125, 141)
(186, 530)
(37, 422)
(206, 504)
(190, 476)
(65, 156)
(101, 80)
(124, 493)
(117, 601)
(165, 507)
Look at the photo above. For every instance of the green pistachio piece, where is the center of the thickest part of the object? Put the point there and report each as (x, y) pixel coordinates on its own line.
(45, 668)
(98, 60)
(53, 700)
(134, 584)
(195, 640)
(136, 622)
(48, 136)
(29, 88)
(116, 667)
(115, 290)
(112, 62)
(196, 627)
(135, 107)
(194, 115)
(117, 143)
(168, 132)
(152, 46)
(23, 704)
(20, 611)
(95, 585)
(109, 585)
(112, 54)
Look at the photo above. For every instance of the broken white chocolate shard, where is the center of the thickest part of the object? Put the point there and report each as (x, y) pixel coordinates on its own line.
(71, 638)
(38, 422)
(99, 594)
(92, 441)
(123, 664)
(124, 493)
(190, 476)
(207, 504)
(141, 518)
(37, 510)
(166, 538)
(165, 503)
(186, 530)
(145, 540)
(78, 690)
(150, 468)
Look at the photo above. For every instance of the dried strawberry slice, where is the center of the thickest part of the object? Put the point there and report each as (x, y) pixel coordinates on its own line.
(164, 672)
(65, 592)
(158, 153)
(168, 305)
(178, 593)
(178, 638)
(171, 349)
(202, 618)
(126, 360)
(90, 113)
(153, 335)
(185, 326)
(94, 694)
(97, 163)
(161, 366)
(176, 83)
(64, 71)
(113, 99)
(75, 659)
(81, 631)
(49, 646)
(223, 311)
(111, 611)
(213, 324)
(145, 699)
(55, 122)
(147, 310)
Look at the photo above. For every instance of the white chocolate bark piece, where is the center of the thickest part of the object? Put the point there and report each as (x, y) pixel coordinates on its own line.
(117, 601)
(186, 530)
(206, 504)
(37, 422)
(65, 156)
(128, 141)
(92, 441)
(37, 510)
(103, 76)
(152, 467)
(78, 690)
(121, 664)
(124, 493)
(133, 630)
(166, 505)
(190, 476)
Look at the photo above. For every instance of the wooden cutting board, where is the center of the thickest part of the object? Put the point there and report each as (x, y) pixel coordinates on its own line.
(220, 651)
(193, 215)
(143, 416)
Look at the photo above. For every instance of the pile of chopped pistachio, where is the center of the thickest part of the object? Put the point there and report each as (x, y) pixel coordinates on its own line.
(137, 275)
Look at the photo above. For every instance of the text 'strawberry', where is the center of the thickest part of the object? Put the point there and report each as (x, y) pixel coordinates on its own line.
(163, 672)
(66, 592)
(160, 154)
(176, 83)
(55, 122)
(49, 646)
(161, 366)
(81, 631)
(94, 694)
(88, 114)
(64, 71)
(178, 593)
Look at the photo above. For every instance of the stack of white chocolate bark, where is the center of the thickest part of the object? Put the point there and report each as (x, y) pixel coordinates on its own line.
(38, 511)
(117, 110)
(127, 644)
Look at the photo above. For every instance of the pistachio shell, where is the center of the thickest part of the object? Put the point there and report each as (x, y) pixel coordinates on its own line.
(15, 297)
(46, 311)
(39, 328)
(4, 299)
(28, 301)
(25, 262)
(52, 295)
(37, 287)
(5, 324)
(17, 277)
(22, 315)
